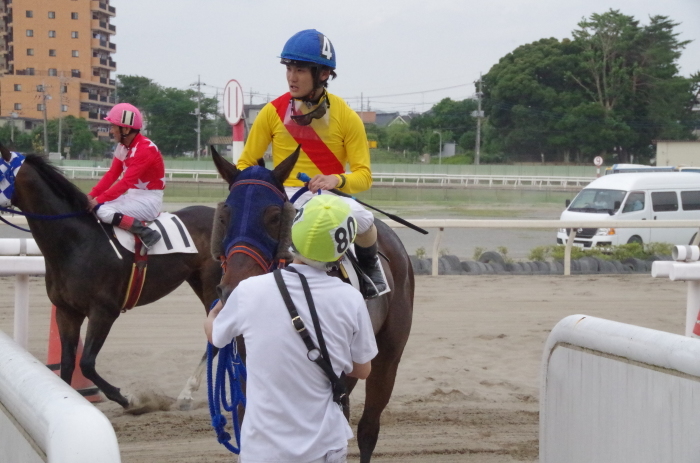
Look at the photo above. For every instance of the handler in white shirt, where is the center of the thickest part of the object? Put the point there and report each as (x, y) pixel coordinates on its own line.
(291, 416)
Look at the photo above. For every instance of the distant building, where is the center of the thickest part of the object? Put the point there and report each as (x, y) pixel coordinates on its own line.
(385, 119)
(58, 54)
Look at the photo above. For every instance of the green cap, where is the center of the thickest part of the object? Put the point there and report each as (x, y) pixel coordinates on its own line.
(324, 228)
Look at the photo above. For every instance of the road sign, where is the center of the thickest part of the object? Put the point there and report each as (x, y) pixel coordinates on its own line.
(233, 102)
(598, 161)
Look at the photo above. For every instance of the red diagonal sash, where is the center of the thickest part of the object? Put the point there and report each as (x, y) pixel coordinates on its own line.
(310, 142)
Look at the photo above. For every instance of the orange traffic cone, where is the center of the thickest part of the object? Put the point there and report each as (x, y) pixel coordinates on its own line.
(79, 382)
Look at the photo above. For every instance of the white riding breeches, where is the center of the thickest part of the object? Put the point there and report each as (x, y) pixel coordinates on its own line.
(365, 219)
(143, 205)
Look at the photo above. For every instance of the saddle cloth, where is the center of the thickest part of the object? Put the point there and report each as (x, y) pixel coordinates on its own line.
(174, 236)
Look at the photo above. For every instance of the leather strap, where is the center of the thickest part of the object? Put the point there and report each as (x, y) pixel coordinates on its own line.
(321, 358)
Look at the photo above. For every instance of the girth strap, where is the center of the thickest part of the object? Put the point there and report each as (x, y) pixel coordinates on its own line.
(137, 278)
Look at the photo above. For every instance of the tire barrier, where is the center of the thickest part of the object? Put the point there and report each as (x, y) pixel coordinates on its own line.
(451, 265)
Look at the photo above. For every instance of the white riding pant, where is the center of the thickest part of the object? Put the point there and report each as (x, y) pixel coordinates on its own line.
(365, 219)
(143, 205)
(334, 456)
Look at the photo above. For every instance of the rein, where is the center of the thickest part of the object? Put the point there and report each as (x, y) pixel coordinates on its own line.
(35, 216)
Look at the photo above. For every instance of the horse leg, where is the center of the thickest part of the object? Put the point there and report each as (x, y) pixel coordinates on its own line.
(379, 387)
(207, 294)
(99, 326)
(184, 400)
(68, 324)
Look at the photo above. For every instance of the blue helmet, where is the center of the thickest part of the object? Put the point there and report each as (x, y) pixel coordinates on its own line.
(309, 46)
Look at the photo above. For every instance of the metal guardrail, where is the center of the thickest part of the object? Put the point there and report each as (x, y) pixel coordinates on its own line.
(393, 179)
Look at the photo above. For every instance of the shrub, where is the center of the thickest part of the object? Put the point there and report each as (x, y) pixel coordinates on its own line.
(420, 253)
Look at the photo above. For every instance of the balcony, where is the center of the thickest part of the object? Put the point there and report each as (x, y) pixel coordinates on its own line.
(105, 63)
(103, 45)
(103, 26)
(103, 7)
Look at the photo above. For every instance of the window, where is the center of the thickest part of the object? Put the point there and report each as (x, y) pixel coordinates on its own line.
(75, 73)
(74, 53)
(690, 200)
(52, 34)
(635, 202)
(30, 32)
(664, 201)
(52, 15)
(52, 52)
(39, 88)
(53, 72)
(74, 35)
(40, 107)
(64, 108)
(65, 89)
(29, 71)
(30, 14)
(18, 87)
(74, 16)
(30, 52)
(18, 106)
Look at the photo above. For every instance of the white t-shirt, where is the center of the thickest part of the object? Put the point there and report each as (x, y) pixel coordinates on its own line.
(290, 413)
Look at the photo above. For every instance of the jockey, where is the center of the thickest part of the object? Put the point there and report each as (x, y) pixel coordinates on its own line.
(139, 159)
(331, 135)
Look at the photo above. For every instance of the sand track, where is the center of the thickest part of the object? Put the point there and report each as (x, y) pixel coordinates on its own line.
(467, 388)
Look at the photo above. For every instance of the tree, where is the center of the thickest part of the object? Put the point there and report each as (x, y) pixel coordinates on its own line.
(610, 91)
(76, 135)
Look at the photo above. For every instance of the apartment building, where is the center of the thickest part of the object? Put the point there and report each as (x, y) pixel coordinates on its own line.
(55, 57)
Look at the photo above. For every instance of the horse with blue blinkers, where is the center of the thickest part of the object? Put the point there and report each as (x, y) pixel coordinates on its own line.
(252, 236)
(84, 276)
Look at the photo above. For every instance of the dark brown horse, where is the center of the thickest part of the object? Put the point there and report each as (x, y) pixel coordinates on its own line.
(391, 314)
(84, 276)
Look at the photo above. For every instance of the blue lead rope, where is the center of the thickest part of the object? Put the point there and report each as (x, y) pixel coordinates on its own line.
(230, 365)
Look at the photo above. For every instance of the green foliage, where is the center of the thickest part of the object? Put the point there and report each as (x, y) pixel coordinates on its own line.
(478, 251)
(444, 252)
(170, 113)
(420, 253)
(621, 252)
(610, 91)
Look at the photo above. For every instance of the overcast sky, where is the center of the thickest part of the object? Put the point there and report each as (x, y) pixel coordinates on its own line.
(400, 54)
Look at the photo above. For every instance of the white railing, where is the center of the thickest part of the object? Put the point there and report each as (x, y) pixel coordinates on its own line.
(441, 224)
(481, 180)
(541, 224)
(42, 419)
(394, 179)
(612, 392)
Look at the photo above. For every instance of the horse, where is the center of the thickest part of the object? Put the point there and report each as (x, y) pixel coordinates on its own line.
(391, 314)
(86, 279)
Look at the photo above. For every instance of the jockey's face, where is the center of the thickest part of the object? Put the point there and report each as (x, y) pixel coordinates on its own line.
(300, 81)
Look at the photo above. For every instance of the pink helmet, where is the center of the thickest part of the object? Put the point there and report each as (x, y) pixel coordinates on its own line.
(125, 115)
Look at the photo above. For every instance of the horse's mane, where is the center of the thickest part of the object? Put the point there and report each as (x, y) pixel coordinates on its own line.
(57, 182)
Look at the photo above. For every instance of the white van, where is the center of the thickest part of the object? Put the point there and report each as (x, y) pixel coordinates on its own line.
(637, 196)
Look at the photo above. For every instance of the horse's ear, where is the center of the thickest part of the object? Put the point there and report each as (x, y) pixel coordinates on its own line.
(227, 170)
(285, 167)
(6, 155)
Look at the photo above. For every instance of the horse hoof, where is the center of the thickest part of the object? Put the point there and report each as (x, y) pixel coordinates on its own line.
(185, 405)
(134, 407)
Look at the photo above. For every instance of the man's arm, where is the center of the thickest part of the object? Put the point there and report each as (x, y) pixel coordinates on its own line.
(360, 370)
(209, 322)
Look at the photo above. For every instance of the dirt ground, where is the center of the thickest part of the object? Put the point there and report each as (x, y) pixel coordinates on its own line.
(467, 388)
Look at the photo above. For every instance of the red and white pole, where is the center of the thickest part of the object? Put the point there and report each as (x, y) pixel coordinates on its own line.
(238, 136)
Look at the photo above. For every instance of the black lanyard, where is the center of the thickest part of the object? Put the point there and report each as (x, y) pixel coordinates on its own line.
(318, 355)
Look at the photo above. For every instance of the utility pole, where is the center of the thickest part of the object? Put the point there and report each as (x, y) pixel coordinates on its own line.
(361, 106)
(199, 116)
(13, 116)
(250, 101)
(44, 98)
(478, 124)
(60, 113)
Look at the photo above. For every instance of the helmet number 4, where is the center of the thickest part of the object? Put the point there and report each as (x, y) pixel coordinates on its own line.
(326, 48)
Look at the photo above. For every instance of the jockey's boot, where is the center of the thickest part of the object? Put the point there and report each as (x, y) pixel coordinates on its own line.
(369, 263)
(148, 237)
